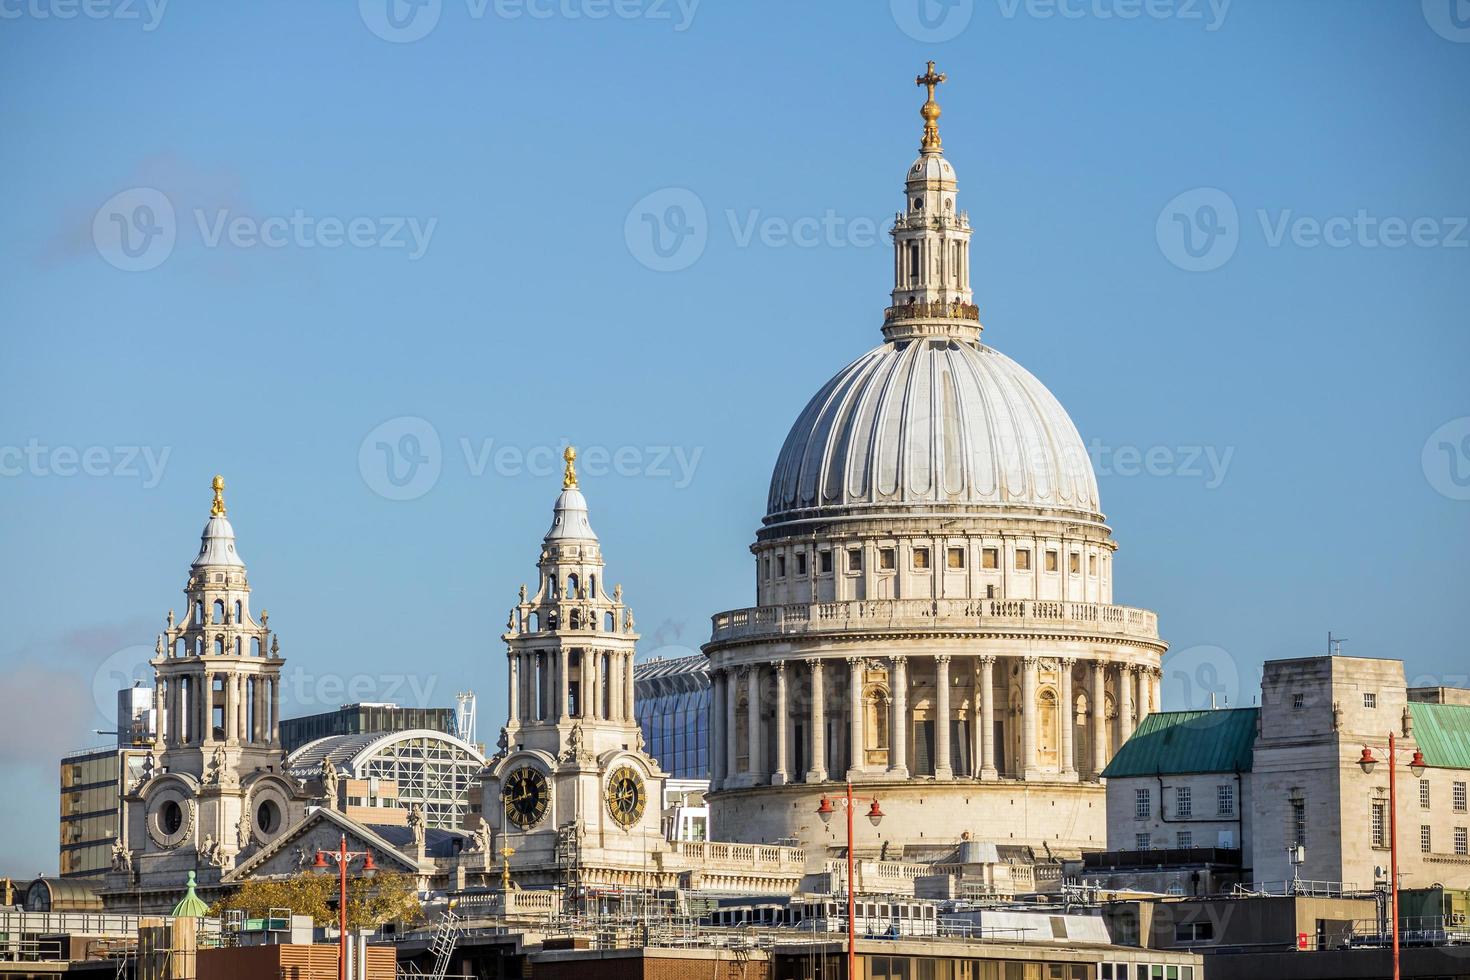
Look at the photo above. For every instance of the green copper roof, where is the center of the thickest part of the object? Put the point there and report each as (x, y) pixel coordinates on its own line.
(1443, 733)
(191, 906)
(1188, 741)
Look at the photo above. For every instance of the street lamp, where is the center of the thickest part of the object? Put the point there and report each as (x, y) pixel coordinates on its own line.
(1367, 763)
(875, 816)
(344, 858)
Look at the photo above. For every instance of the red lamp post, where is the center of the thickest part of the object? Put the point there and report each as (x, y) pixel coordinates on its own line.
(344, 858)
(1417, 766)
(875, 816)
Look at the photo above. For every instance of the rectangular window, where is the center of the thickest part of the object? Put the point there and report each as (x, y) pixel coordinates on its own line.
(1225, 800)
(1299, 822)
(1298, 700)
(780, 566)
(1092, 565)
(1424, 794)
(801, 563)
(990, 558)
(855, 560)
(1462, 840)
(956, 558)
(1184, 840)
(824, 561)
(1051, 561)
(1023, 559)
(1141, 842)
(1457, 797)
(767, 563)
(886, 559)
(921, 559)
(1426, 840)
(1370, 700)
(1142, 804)
(1074, 563)
(1183, 801)
(1377, 824)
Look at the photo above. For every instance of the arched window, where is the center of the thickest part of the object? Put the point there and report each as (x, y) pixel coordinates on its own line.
(219, 611)
(199, 646)
(592, 586)
(535, 621)
(255, 646)
(576, 619)
(551, 620)
(572, 591)
(609, 623)
(239, 610)
(239, 644)
(553, 587)
(219, 646)
(181, 648)
(198, 612)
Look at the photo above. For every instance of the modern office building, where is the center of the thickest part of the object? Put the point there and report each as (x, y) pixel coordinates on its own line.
(363, 718)
(672, 704)
(92, 784)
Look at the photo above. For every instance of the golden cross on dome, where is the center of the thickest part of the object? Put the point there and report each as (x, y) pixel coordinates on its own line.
(930, 110)
(217, 509)
(569, 481)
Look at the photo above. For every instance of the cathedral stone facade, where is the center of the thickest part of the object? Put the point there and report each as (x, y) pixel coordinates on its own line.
(934, 580)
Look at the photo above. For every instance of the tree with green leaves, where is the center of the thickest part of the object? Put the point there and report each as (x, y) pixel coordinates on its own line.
(371, 902)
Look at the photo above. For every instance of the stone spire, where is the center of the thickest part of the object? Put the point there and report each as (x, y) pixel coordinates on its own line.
(931, 238)
(217, 670)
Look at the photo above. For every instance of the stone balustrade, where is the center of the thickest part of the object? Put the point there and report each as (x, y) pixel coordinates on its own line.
(715, 854)
(958, 615)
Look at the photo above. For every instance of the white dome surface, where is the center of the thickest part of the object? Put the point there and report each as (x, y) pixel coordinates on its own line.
(911, 426)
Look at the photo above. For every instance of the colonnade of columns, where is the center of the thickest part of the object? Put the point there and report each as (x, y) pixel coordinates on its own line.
(185, 705)
(559, 685)
(1036, 737)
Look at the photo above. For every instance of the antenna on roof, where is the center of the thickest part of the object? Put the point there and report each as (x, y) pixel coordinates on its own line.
(1334, 644)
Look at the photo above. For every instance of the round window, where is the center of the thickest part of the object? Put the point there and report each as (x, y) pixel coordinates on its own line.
(267, 817)
(171, 818)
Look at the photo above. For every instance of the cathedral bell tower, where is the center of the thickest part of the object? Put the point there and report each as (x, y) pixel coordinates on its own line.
(571, 775)
(215, 791)
(218, 669)
(931, 237)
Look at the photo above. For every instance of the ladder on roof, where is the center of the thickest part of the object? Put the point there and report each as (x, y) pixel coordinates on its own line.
(442, 945)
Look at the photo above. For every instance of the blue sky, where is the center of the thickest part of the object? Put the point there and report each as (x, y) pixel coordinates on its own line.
(1230, 238)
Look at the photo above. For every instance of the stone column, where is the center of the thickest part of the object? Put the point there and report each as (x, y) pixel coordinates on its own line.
(855, 761)
(942, 767)
(732, 729)
(231, 704)
(781, 775)
(275, 728)
(1144, 683)
(818, 771)
(513, 684)
(1029, 682)
(1157, 674)
(987, 718)
(630, 688)
(898, 719)
(1068, 718)
(563, 684)
(1099, 718)
(715, 725)
(757, 766)
(1125, 708)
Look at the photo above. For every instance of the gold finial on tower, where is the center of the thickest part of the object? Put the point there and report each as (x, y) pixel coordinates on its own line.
(569, 481)
(217, 509)
(930, 110)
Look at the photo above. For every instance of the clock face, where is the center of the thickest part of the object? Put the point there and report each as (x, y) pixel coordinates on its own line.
(526, 796)
(625, 796)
